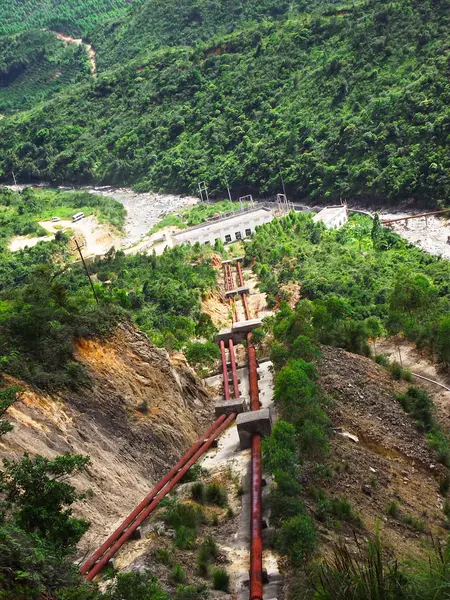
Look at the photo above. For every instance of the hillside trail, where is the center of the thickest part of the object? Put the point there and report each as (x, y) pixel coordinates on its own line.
(68, 39)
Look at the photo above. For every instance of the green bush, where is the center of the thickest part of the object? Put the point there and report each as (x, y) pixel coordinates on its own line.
(189, 592)
(220, 579)
(297, 539)
(392, 510)
(185, 537)
(177, 574)
(198, 492)
(215, 494)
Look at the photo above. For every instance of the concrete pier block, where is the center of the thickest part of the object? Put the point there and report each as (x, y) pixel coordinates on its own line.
(246, 326)
(243, 289)
(257, 421)
(224, 335)
(227, 407)
(226, 262)
(229, 293)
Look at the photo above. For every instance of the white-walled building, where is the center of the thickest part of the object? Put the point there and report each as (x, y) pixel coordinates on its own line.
(235, 226)
(332, 217)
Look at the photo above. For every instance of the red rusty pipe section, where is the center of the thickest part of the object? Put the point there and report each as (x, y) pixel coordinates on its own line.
(256, 547)
(233, 368)
(144, 514)
(252, 374)
(118, 532)
(146, 501)
(240, 276)
(226, 385)
(246, 307)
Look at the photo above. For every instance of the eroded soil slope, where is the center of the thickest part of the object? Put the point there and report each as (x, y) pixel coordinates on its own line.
(135, 419)
(390, 462)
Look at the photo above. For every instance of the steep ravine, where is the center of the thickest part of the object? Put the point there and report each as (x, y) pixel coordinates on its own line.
(138, 415)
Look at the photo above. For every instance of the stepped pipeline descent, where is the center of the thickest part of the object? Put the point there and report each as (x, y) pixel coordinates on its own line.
(250, 432)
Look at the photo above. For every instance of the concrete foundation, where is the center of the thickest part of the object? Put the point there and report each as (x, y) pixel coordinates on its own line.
(238, 332)
(239, 290)
(227, 407)
(257, 421)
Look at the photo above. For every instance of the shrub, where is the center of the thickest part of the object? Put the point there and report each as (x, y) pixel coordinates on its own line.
(184, 515)
(177, 574)
(382, 360)
(163, 556)
(198, 492)
(189, 592)
(194, 473)
(215, 494)
(184, 537)
(414, 523)
(419, 405)
(444, 484)
(221, 579)
(297, 539)
(392, 510)
(208, 549)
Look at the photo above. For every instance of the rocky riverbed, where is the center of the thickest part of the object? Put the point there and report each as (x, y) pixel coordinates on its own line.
(144, 209)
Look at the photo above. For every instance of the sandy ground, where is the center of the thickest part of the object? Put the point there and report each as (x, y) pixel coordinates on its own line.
(95, 238)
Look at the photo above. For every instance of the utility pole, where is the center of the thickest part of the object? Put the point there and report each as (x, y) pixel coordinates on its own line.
(228, 189)
(85, 268)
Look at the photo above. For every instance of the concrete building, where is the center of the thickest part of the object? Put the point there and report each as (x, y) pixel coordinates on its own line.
(229, 228)
(332, 217)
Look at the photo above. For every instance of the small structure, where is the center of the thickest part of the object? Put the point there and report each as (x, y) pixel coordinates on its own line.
(332, 217)
(248, 423)
(229, 228)
(238, 332)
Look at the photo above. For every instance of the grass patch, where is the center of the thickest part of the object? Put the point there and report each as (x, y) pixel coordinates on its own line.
(215, 494)
(220, 579)
(177, 574)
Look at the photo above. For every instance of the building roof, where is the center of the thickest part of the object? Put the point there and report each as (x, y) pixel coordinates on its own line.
(216, 222)
(329, 213)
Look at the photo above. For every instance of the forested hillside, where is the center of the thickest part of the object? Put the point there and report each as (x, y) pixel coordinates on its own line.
(70, 16)
(158, 23)
(349, 103)
(36, 64)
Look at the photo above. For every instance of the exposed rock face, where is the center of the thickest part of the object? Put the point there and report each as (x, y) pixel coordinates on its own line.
(130, 449)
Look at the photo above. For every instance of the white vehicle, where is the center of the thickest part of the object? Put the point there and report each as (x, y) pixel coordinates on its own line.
(55, 219)
(77, 217)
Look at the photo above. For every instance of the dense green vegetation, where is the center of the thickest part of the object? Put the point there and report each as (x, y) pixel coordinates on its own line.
(69, 16)
(346, 103)
(20, 212)
(158, 23)
(36, 64)
(356, 282)
(44, 305)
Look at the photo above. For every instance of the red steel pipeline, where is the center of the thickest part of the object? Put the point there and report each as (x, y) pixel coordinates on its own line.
(144, 514)
(226, 385)
(256, 581)
(146, 501)
(240, 276)
(252, 374)
(256, 547)
(233, 368)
